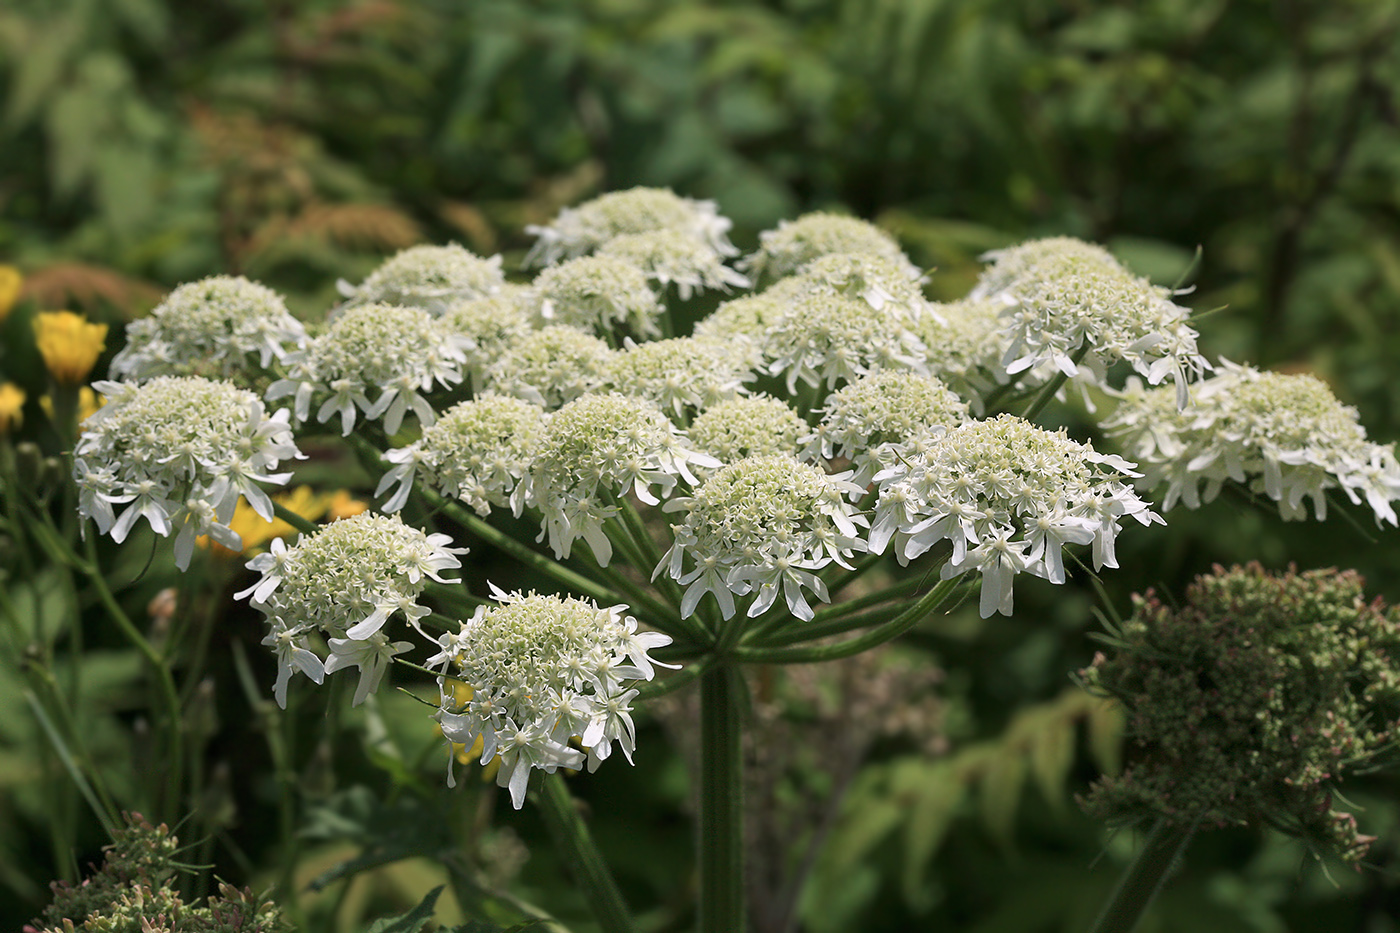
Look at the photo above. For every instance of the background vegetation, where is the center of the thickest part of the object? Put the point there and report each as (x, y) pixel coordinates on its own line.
(144, 143)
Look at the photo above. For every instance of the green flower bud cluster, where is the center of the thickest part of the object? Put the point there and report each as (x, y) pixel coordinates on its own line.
(1251, 702)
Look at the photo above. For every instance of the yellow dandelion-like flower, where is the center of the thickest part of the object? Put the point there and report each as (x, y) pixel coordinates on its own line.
(344, 505)
(69, 344)
(11, 402)
(257, 532)
(10, 284)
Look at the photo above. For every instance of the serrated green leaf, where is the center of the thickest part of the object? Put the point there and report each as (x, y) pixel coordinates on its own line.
(1106, 725)
(411, 921)
(933, 811)
(1000, 793)
(1051, 755)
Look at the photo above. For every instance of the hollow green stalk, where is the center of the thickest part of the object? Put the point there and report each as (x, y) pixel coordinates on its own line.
(722, 907)
(571, 835)
(1145, 877)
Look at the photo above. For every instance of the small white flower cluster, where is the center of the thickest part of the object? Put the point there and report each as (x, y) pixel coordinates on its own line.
(871, 421)
(490, 326)
(598, 293)
(675, 257)
(345, 582)
(432, 278)
(476, 452)
(1072, 308)
(398, 352)
(210, 328)
(539, 671)
(963, 347)
(752, 426)
(682, 376)
(594, 449)
(1007, 496)
(798, 242)
(763, 524)
(742, 324)
(1286, 436)
(878, 280)
(826, 339)
(580, 230)
(179, 451)
(551, 366)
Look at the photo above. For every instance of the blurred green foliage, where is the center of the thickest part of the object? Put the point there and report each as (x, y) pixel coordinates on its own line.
(148, 142)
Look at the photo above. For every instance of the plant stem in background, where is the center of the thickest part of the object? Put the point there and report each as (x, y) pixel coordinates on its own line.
(1144, 878)
(571, 835)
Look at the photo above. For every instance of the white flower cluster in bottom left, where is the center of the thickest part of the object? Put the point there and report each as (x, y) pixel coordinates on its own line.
(538, 671)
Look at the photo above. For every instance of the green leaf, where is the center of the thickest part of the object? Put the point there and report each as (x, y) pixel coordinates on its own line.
(1051, 755)
(1001, 792)
(941, 793)
(411, 921)
(1106, 725)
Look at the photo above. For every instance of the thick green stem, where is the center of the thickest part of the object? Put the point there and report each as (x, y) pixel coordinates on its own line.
(722, 800)
(1144, 878)
(571, 835)
(304, 525)
(807, 654)
(811, 631)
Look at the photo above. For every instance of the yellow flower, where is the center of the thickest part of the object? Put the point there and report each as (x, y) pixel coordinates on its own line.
(343, 505)
(11, 404)
(256, 531)
(10, 283)
(69, 345)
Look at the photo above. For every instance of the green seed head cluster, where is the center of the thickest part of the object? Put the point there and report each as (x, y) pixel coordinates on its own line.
(1250, 702)
(476, 452)
(758, 426)
(599, 293)
(797, 242)
(870, 421)
(963, 346)
(675, 257)
(540, 670)
(682, 376)
(429, 277)
(1285, 435)
(1007, 496)
(394, 352)
(1075, 310)
(763, 524)
(214, 327)
(135, 891)
(491, 326)
(595, 450)
(179, 451)
(581, 230)
(551, 366)
(829, 339)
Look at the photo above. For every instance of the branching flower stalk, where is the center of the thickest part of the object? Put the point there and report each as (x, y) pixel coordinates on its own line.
(826, 433)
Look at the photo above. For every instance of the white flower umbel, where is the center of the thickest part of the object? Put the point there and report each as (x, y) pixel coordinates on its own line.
(675, 257)
(599, 293)
(551, 366)
(179, 451)
(1007, 496)
(765, 525)
(223, 326)
(491, 326)
(1284, 436)
(1073, 309)
(870, 421)
(594, 450)
(539, 671)
(963, 345)
(393, 352)
(755, 426)
(345, 582)
(797, 242)
(877, 280)
(682, 376)
(429, 277)
(742, 324)
(476, 452)
(580, 230)
(829, 339)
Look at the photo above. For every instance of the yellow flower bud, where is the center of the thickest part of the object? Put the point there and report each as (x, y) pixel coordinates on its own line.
(10, 283)
(11, 403)
(69, 345)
